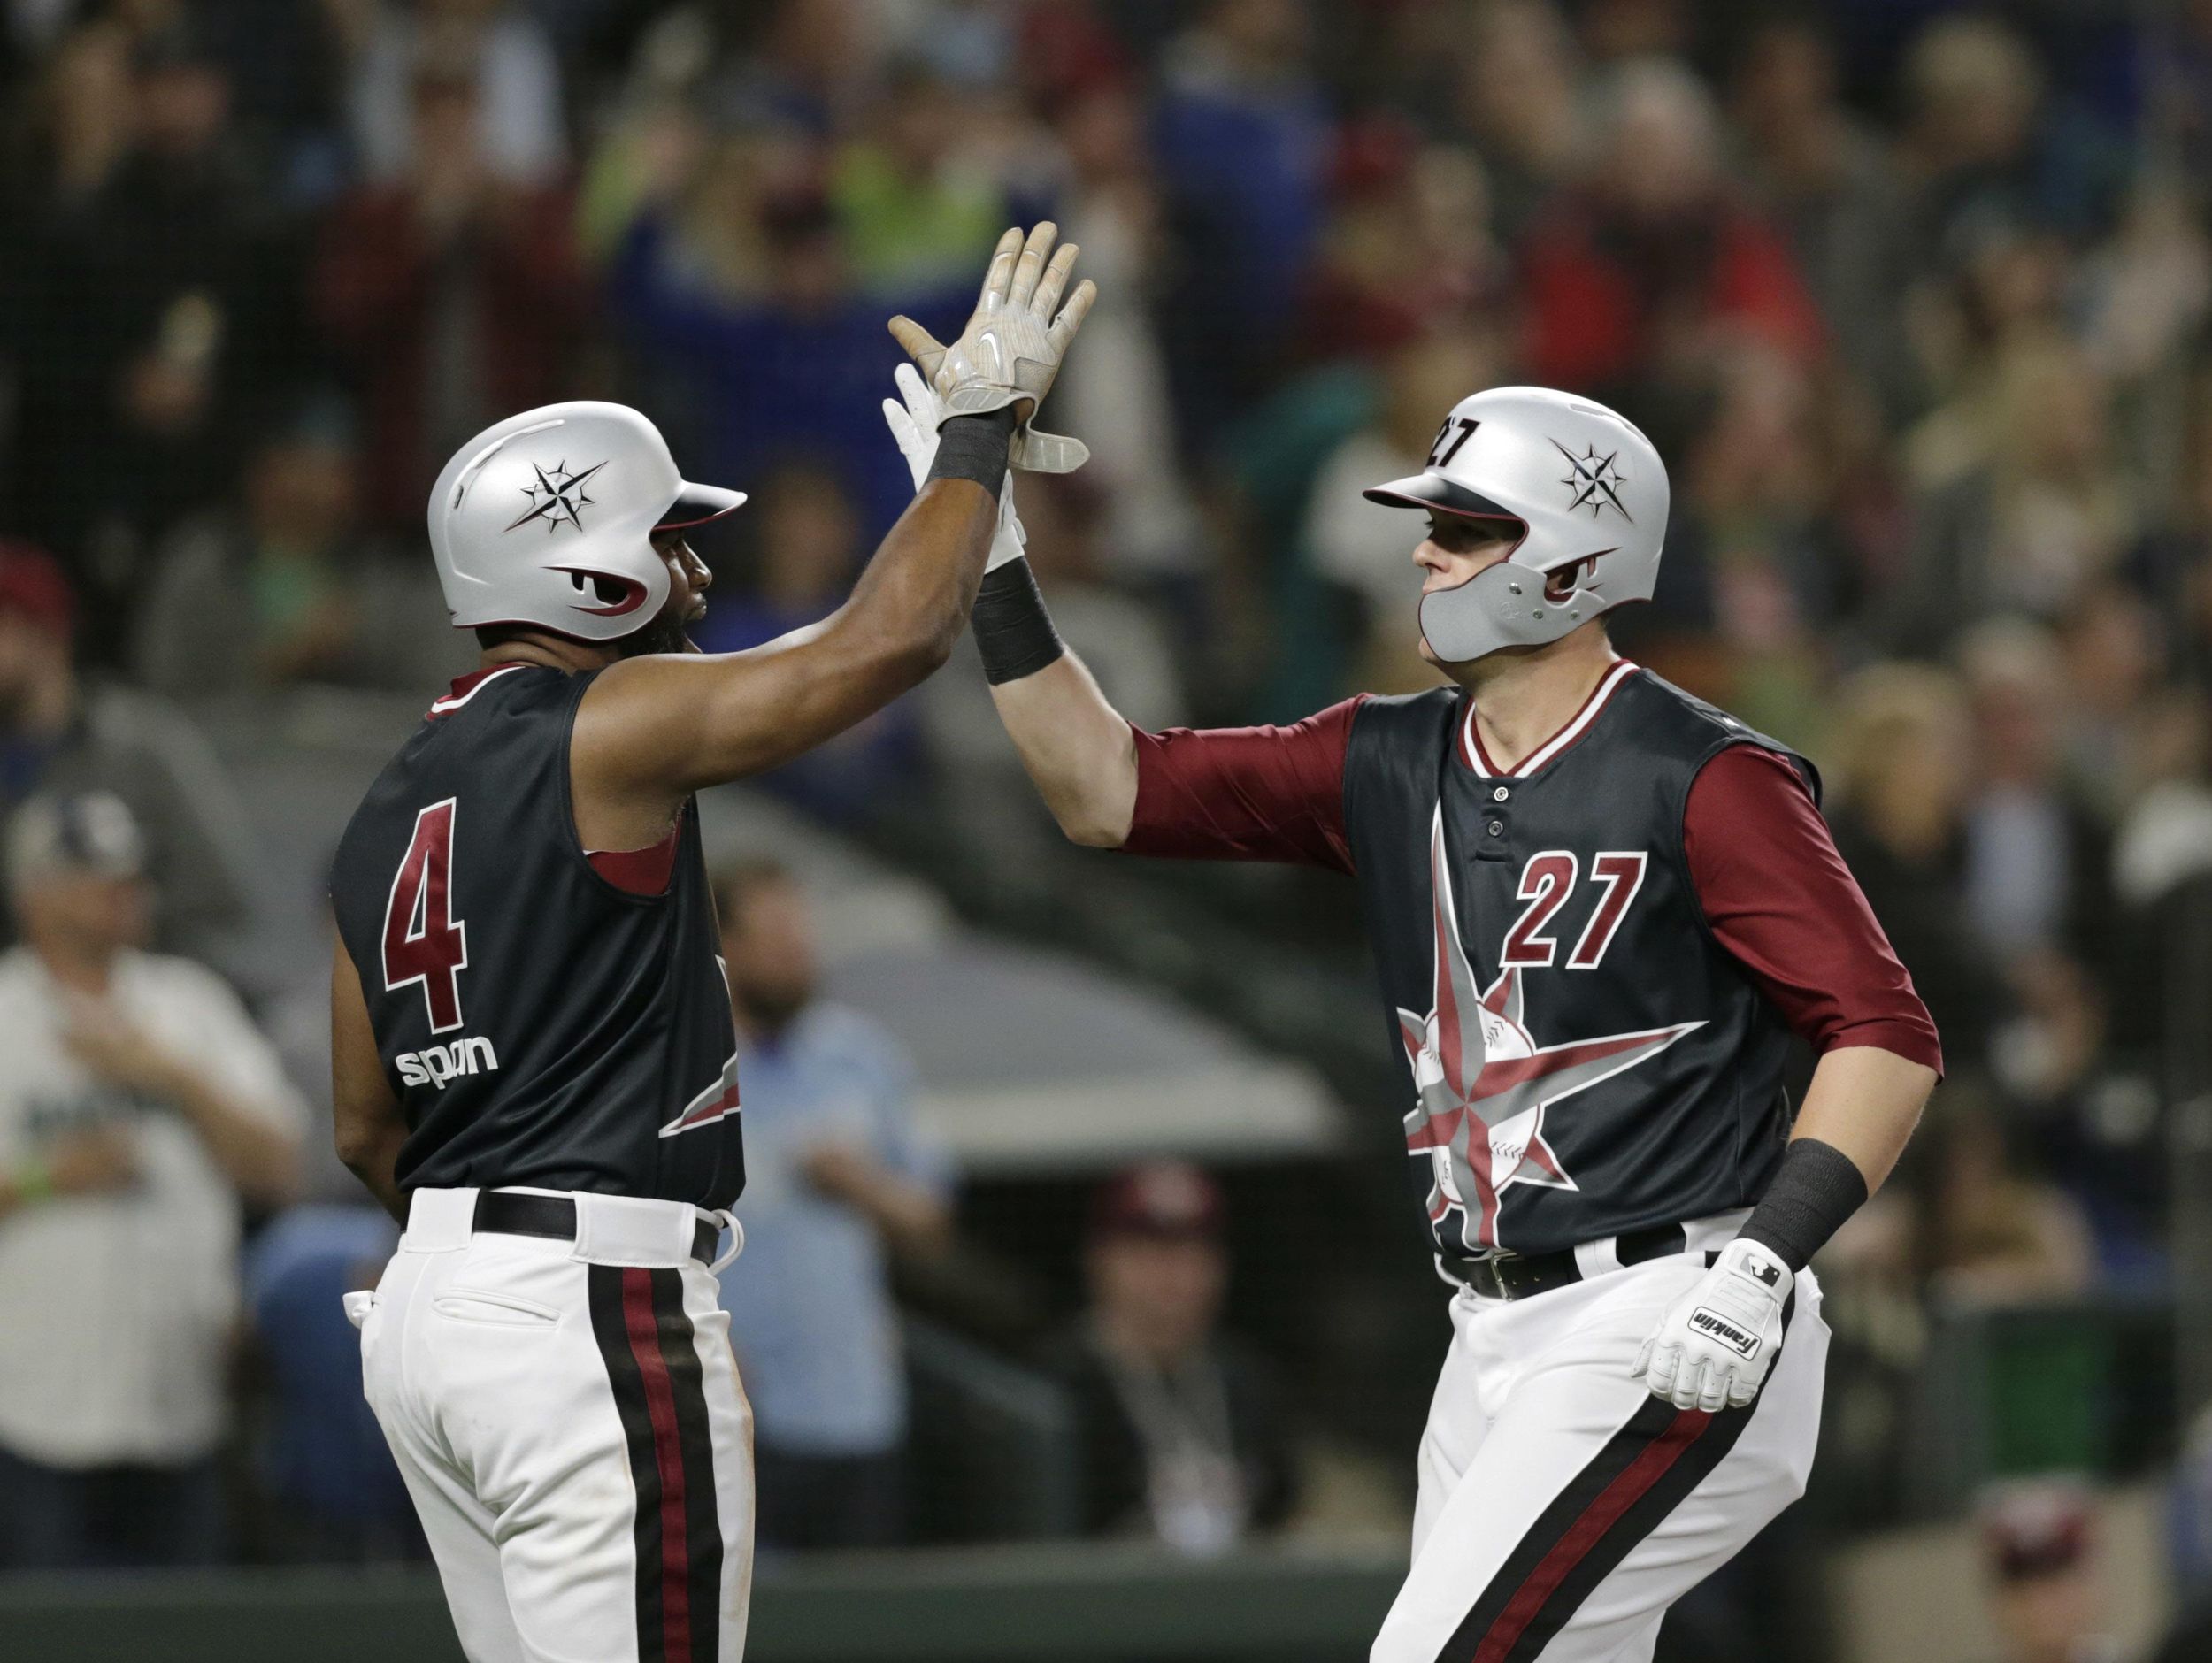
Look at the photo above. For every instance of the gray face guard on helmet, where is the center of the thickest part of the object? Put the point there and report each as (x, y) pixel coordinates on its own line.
(547, 519)
(1588, 493)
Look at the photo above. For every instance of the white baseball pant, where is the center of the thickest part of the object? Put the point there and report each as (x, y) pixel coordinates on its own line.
(569, 1420)
(1561, 1507)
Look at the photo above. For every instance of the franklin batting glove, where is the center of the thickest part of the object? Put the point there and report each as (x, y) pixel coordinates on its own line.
(913, 427)
(1011, 349)
(1714, 1347)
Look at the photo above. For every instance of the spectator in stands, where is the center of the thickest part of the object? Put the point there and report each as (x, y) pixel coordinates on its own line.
(517, 120)
(1520, 99)
(916, 206)
(1241, 147)
(138, 1108)
(1982, 141)
(61, 731)
(291, 585)
(2038, 858)
(337, 1492)
(2040, 1561)
(2031, 511)
(800, 368)
(455, 291)
(841, 1182)
(1897, 772)
(1118, 397)
(1183, 1440)
(157, 306)
(1635, 278)
(1992, 1231)
(1833, 191)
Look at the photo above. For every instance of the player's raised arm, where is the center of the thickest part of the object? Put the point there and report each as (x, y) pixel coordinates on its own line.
(666, 725)
(1262, 793)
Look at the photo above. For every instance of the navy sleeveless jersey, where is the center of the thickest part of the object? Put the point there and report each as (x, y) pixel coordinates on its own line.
(1586, 1058)
(542, 1026)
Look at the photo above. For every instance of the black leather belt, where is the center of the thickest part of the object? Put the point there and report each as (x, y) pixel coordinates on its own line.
(1523, 1276)
(504, 1213)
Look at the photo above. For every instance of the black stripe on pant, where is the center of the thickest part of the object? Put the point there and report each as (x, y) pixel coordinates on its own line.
(1653, 1420)
(646, 1341)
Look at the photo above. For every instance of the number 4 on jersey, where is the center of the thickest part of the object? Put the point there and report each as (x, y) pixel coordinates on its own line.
(423, 941)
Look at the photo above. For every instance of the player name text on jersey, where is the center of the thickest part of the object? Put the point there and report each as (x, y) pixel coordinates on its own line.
(434, 1065)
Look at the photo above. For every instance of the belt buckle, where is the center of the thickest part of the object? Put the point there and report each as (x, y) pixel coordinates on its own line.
(1484, 1278)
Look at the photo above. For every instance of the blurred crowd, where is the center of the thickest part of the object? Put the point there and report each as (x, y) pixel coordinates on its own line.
(1917, 300)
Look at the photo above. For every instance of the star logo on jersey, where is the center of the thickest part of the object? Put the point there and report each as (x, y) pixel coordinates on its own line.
(711, 1105)
(558, 498)
(1483, 1082)
(1594, 479)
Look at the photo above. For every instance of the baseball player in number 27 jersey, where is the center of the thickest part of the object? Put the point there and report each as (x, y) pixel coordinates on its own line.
(1600, 907)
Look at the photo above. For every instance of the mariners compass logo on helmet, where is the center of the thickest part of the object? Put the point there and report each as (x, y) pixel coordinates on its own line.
(603, 578)
(557, 496)
(1594, 481)
(1503, 464)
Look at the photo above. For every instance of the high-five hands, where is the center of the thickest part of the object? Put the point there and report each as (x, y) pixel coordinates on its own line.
(914, 428)
(1013, 345)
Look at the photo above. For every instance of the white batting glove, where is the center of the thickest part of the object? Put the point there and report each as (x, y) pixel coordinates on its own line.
(914, 426)
(1011, 349)
(1714, 1347)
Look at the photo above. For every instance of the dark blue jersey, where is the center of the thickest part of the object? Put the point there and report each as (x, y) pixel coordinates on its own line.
(1585, 1059)
(542, 1025)
(1591, 1006)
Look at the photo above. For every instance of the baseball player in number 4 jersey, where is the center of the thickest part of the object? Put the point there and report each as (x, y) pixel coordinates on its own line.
(532, 1040)
(1600, 907)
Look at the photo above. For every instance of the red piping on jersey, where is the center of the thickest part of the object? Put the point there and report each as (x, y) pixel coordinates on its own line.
(466, 687)
(644, 871)
(1470, 747)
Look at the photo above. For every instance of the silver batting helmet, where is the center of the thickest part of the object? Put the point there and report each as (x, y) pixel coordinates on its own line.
(547, 519)
(1588, 492)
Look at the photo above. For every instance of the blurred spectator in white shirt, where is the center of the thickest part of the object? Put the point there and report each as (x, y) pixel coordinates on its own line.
(138, 1107)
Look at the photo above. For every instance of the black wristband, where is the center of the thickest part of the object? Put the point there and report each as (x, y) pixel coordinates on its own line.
(1818, 1187)
(974, 448)
(1013, 631)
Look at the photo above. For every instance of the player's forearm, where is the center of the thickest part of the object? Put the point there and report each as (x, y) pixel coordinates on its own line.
(1859, 1111)
(907, 611)
(371, 1152)
(1076, 748)
(1865, 1102)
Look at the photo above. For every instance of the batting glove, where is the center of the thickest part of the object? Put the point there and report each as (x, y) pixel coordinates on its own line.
(914, 426)
(1714, 1347)
(1011, 349)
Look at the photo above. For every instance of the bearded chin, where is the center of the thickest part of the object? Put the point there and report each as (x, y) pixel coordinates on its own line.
(664, 634)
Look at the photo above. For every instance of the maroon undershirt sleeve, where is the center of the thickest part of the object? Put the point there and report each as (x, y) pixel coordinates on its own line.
(1256, 794)
(1780, 898)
